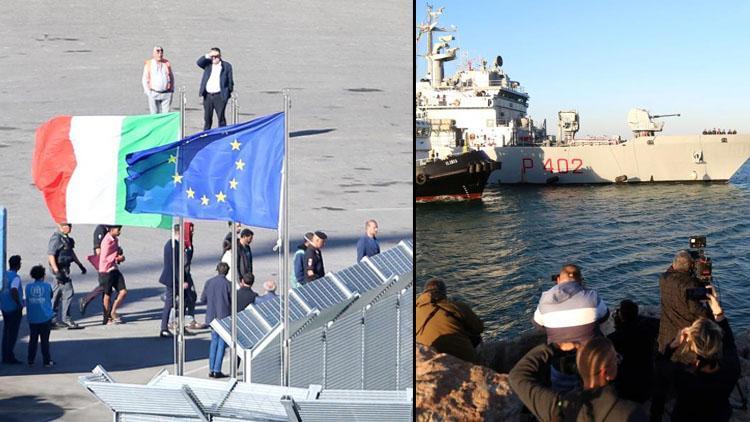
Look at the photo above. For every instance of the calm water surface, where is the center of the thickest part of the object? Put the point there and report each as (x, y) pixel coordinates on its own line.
(498, 254)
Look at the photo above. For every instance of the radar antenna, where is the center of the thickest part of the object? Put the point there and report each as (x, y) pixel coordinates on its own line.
(432, 53)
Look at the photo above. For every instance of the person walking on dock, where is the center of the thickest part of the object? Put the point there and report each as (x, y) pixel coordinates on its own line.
(39, 315)
(367, 245)
(110, 276)
(60, 255)
(11, 305)
(217, 297)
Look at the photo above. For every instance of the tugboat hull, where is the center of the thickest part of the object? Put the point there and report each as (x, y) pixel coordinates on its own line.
(459, 177)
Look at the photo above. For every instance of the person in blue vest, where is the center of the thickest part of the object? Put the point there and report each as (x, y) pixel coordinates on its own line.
(11, 305)
(39, 315)
(368, 243)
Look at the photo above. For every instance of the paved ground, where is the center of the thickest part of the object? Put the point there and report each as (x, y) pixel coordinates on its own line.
(350, 69)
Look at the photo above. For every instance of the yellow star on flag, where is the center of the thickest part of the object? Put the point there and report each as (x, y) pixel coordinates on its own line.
(240, 164)
(190, 193)
(220, 197)
(233, 184)
(235, 145)
(204, 200)
(172, 159)
(177, 178)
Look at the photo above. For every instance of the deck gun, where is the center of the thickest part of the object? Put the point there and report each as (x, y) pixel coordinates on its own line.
(642, 122)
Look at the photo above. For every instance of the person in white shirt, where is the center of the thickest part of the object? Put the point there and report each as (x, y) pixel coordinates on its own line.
(216, 87)
(158, 82)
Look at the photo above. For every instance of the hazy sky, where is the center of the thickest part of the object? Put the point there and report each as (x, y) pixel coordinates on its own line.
(602, 58)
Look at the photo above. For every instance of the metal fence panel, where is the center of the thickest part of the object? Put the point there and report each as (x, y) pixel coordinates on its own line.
(380, 333)
(344, 353)
(406, 339)
(266, 367)
(306, 356)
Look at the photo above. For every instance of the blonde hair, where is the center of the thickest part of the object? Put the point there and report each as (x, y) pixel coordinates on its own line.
(704, 339)
(592, 357)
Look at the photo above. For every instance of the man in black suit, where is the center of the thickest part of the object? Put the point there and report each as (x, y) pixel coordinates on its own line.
(170, 279)
(217, 85)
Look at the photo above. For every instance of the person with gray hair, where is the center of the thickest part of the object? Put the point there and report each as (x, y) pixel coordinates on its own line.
(677, 310)
(270, 287)
(158, 81)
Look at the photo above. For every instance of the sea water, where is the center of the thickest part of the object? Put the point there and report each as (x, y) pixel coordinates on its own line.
(498, 254)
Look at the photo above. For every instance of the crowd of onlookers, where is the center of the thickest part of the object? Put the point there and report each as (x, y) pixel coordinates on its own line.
(48, 305)
(716, 131)
(682, 365)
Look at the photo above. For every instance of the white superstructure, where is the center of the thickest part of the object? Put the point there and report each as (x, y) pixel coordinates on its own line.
(481, 107)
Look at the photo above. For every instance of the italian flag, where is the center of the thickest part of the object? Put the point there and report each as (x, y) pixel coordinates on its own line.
(79, 165)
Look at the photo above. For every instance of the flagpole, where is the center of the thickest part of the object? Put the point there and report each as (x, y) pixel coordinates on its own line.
(181, 324)
(175, 345)
(285, 227)
(235, 273)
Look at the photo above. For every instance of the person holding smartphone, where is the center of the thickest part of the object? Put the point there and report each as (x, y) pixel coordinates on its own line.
(704, 383)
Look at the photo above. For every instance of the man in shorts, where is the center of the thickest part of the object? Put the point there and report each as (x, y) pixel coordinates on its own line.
(109, 274)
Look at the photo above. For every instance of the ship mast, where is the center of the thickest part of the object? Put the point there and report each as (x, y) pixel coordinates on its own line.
(434, 56)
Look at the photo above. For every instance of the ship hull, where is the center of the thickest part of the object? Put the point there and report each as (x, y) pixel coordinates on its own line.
(701, 158)
(459, 177)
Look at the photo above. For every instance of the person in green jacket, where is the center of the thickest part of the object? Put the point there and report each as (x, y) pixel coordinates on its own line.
(445, 325)
(598, 401)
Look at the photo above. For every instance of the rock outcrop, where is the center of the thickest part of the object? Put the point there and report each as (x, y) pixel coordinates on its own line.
(449, 389)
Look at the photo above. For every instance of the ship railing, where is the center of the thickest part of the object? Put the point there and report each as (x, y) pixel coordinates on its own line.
(595, 141)
(509, 87)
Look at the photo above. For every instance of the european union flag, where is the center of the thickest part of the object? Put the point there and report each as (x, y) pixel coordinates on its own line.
(231, 173)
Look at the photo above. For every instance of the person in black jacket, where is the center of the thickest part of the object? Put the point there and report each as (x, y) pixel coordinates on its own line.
(314, 268)
(216, 295)
(245, 294)
(635, 340)
(677, 310)
(704, 384)
(598, 401)
(217, 85)
(169, 277)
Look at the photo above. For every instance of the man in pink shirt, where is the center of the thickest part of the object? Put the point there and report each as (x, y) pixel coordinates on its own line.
(110, 276)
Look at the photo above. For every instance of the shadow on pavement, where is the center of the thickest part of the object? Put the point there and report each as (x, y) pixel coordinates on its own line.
(29, 408)
(114, 354)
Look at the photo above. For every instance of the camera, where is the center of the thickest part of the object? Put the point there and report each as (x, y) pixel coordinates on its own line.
(703, 268)
(699, 293)
(697, 242)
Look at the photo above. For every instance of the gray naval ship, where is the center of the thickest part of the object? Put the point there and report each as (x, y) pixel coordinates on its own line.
(481, 108)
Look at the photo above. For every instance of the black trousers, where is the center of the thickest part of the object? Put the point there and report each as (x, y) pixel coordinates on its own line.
(213, 102)
(11, 324)
(37, 331)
